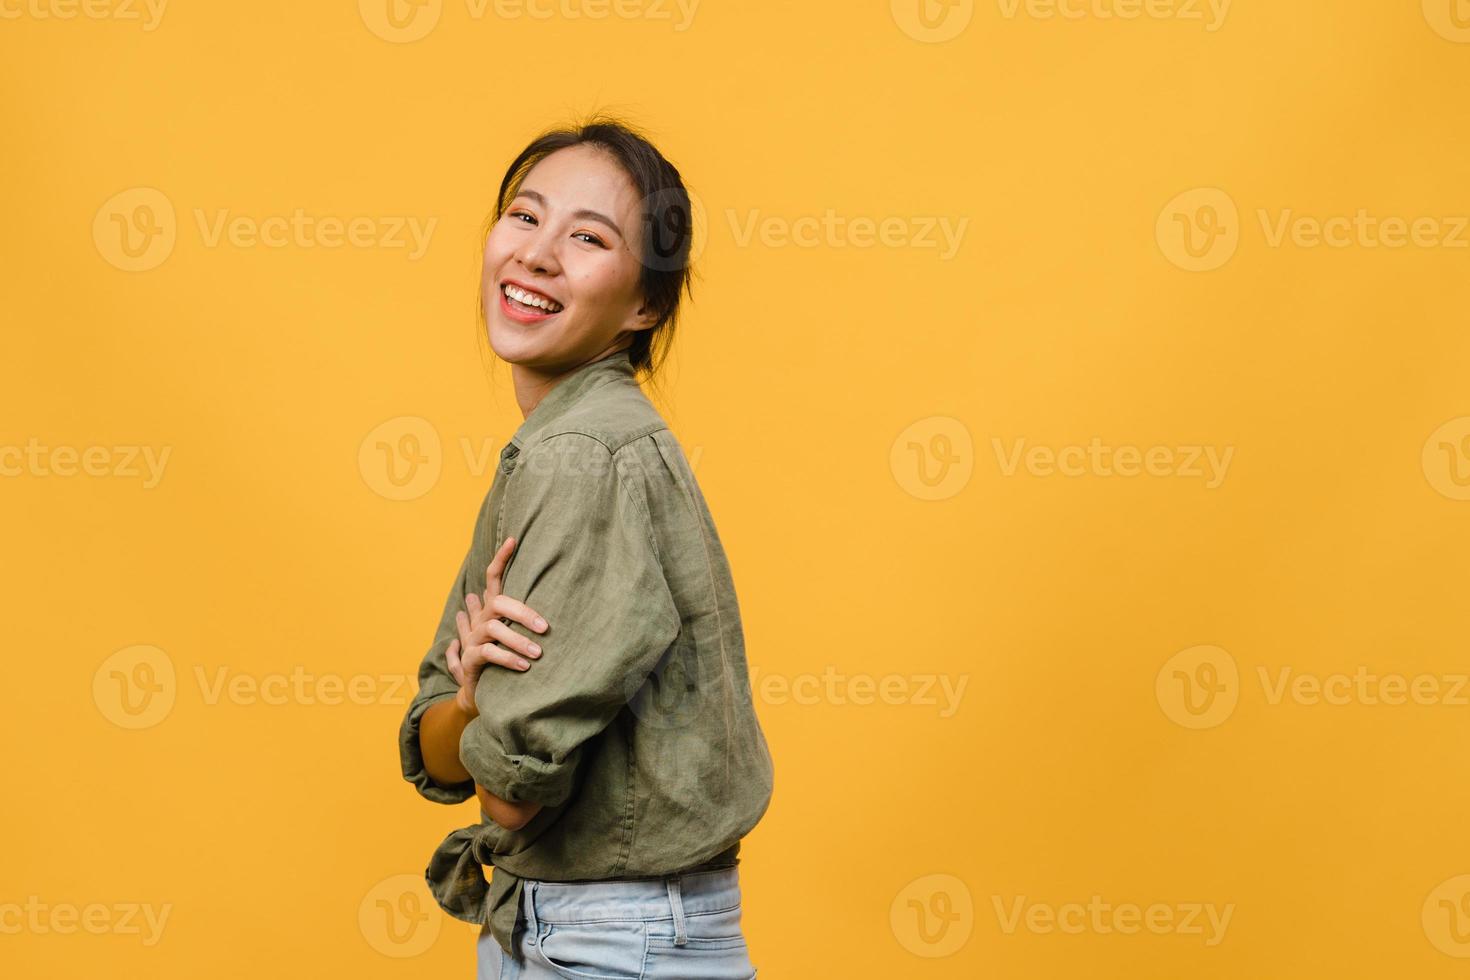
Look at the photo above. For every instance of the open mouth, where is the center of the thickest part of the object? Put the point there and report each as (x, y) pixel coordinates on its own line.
(528, 304)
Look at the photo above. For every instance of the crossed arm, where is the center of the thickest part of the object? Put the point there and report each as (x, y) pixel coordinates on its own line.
(480, 630)
(587, 556)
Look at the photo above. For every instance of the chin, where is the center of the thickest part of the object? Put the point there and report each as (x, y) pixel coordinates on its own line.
(515, 347)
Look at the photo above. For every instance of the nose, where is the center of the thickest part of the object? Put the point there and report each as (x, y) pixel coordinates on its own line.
(536, 254)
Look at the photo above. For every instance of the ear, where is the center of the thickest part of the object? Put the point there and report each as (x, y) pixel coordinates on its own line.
(643, 319)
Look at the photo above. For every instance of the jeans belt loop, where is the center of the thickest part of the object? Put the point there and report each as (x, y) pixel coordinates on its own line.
(676, 902)
(533, 926)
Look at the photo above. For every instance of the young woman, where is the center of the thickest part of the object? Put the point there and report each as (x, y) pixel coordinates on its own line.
(596, 698)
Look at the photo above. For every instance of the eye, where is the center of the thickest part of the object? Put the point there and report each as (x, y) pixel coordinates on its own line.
(591, 238)
(520, 214)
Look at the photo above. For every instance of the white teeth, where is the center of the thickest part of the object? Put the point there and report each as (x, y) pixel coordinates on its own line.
(532, 299)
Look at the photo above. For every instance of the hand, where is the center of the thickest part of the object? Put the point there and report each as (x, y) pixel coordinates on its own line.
(484, 625)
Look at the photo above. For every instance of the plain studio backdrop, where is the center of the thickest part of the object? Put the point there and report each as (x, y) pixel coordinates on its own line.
(1079, 388)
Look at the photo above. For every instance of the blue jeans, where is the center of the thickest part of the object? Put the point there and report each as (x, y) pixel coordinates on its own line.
(685, 927)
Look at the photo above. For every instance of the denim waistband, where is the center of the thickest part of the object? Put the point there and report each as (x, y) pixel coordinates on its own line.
(651, 899)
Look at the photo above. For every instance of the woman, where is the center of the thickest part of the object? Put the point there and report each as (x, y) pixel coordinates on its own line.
(618, 768)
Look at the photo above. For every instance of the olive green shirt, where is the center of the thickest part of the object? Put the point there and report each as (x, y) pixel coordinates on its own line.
(635, 729)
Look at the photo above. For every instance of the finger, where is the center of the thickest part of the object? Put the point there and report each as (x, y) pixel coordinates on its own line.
(463, 624)
(496, 568)
(489, 653)
(472, 604)
(451, 656)
(515, 609)
(507, 637)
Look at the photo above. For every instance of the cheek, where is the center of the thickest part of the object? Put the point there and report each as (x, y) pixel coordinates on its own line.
(497, 247)
(601, 279)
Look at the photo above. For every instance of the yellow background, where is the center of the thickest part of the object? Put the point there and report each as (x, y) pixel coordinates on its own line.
(841, 399)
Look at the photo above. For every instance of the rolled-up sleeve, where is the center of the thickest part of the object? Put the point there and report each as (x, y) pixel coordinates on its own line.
(435, 684)
(585, 559)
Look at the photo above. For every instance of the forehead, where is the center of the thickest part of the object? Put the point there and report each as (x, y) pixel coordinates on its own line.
(584, 176)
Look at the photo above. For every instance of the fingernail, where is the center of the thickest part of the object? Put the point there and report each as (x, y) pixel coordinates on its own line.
(535, 649)
(523, 664)
(540, 623)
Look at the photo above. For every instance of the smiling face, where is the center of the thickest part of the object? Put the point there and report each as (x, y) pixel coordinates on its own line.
(568, 251)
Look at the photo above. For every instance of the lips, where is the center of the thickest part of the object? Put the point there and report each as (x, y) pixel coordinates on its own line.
(521, 313)
(531, 297)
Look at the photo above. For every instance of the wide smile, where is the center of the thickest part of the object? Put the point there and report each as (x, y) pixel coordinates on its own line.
(526, 305)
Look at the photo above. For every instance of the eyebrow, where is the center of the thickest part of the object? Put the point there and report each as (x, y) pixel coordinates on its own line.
(583, 213)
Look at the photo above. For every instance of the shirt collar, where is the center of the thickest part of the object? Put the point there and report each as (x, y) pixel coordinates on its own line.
(567, 391)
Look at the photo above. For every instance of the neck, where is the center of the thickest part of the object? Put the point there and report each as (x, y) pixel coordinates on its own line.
(533, 383)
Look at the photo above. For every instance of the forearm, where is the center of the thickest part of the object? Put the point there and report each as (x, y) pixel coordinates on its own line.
(439, 732)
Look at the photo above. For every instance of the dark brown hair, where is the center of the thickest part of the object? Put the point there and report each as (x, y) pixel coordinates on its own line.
(665, 214)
